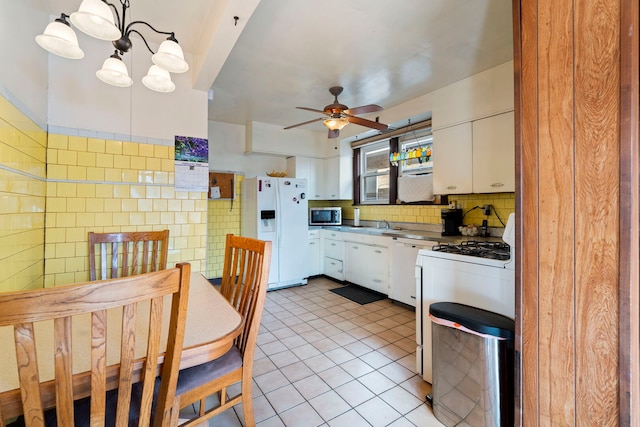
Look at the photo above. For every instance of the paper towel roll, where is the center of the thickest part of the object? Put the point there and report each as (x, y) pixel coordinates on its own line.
(356, 217)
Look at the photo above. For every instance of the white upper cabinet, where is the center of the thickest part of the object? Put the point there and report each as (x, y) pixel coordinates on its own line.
(313, 170)
(327, 179)
(452, 160)
(481, 95)
(338, 178)
(494, 154)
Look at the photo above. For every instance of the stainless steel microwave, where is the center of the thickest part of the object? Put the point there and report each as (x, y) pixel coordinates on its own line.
(325, 216)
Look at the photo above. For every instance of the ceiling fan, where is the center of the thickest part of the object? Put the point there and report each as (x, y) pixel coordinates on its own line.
(339, 115)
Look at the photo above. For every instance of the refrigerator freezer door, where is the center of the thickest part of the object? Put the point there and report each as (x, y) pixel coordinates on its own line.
(259, 215)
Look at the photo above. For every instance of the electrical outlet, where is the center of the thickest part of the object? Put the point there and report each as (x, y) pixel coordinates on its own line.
(486, 209)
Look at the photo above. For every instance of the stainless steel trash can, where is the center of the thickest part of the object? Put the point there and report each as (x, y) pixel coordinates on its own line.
(472, 366)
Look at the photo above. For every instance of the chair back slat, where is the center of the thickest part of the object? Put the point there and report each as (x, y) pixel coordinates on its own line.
(63, 367)
(28, 369)
(64, 306)
(127, 253)
(98, 363)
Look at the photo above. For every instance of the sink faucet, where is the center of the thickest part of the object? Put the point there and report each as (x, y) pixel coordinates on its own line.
(386, 224)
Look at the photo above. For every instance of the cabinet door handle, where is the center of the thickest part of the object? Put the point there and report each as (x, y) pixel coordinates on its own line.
(354, 247)
(312, 243)
(452, 187)
(497, 184)
(333, 244)
(378, 251)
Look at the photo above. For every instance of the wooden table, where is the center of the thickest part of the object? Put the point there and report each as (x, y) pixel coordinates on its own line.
(212, 325)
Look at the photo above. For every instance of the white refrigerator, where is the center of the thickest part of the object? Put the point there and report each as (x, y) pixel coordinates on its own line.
(276, 209)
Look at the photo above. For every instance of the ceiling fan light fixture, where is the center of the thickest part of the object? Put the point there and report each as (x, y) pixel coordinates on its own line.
(95, 18)
(60, 39)
(114, 72)
(335, 123)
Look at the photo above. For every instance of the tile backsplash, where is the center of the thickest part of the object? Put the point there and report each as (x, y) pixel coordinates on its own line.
(502, 205)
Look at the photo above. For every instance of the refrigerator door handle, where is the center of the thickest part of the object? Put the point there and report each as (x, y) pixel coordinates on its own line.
(278, 214)
(419, 301)
(419, 324)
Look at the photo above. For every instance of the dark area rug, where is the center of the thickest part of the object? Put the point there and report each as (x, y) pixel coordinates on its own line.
(358, 294)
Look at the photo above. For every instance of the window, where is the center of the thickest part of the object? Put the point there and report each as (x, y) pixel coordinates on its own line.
(374, 184)
(376, 178)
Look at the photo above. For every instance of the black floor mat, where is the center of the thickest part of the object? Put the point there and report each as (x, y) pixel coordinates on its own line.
(358, 294)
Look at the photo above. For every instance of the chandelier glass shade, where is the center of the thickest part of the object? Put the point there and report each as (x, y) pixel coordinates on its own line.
(100, 19)
(114, 72)
(59, 38)
(158, 79)
(95, 19)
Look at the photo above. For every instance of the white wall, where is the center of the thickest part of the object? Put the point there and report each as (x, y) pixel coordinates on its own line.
(266, 138)
(226, 152)
(79, 100)
(23, 74)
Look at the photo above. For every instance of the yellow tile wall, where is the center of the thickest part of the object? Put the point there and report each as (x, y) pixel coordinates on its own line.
(224, 218)
(110, 186)
(503, 204)
(22, 199)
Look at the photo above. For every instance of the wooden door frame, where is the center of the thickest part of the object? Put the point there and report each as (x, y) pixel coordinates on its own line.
(629, 348)
(525, 22)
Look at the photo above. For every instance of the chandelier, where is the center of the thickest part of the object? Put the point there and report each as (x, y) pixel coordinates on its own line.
(96, 19)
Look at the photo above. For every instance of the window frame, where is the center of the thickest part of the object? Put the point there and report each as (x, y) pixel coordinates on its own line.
(408, 134)
(374, 147)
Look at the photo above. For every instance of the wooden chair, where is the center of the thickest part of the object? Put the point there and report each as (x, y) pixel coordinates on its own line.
(245, 278)
(128, 253)
(108, 392)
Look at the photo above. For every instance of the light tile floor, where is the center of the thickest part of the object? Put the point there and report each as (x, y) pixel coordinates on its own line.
(323, 360)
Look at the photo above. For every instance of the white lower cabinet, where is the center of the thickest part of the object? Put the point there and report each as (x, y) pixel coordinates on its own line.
(315, 253)
(367, 264)
(402, 283)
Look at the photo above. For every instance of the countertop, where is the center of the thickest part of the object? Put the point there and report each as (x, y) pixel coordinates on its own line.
(432, 236)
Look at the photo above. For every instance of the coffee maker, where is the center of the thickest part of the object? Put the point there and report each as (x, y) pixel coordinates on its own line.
(451, 220)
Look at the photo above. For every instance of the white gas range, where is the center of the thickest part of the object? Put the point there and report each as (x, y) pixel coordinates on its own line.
(479, 274)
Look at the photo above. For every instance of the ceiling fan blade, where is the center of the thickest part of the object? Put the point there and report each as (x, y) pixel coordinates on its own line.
(305, 123)
(371, 108)
(334, 133)
(311, 109)
(368, 123)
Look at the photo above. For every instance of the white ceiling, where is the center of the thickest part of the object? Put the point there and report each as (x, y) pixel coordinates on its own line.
(287, 53)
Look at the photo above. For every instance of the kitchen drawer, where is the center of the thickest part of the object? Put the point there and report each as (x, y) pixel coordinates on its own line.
(333, 268)
(314, 234)
(331, 234)
(366, 239)
(334, 249)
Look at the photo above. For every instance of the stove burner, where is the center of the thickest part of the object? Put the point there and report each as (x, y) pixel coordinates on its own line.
(492, 250)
